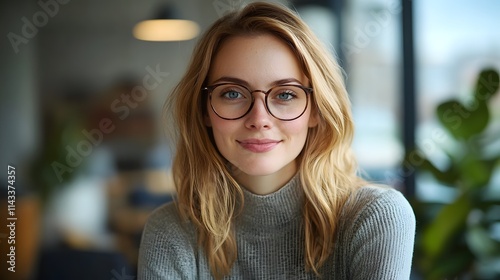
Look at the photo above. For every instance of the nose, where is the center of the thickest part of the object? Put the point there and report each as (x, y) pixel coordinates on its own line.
(259, 117)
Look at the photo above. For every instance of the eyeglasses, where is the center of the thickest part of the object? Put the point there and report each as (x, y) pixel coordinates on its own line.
(233, 101)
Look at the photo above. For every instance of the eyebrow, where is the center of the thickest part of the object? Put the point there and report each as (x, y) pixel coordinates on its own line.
(245, 83)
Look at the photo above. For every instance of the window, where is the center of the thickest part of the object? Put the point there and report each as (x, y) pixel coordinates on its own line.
(454, 41)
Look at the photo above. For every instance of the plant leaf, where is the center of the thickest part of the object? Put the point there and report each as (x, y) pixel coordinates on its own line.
(450, 220)
(487, 85)
(448, 177)
(463, 122)
(476, 172)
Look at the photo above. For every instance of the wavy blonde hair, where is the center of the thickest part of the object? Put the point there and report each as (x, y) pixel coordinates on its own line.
(208, 195)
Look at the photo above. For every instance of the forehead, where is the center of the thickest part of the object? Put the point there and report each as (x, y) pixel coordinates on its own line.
(258, 59)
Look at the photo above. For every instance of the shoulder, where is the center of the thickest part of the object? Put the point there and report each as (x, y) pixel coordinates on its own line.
(165, 224)
(376, 234)
(380, 206)
(377, 198)
(167, 213)
(168, 245)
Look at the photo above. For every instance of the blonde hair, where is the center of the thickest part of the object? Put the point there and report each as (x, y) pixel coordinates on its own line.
(208, 195)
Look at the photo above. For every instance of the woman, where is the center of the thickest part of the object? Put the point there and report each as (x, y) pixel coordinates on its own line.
(265, 177)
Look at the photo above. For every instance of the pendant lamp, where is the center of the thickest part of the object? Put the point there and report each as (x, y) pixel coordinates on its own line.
(166, 26)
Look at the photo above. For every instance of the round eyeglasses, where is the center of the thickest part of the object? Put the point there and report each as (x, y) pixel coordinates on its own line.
(233, 101)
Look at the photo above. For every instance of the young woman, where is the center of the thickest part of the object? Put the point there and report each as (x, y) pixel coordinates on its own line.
(265, 177)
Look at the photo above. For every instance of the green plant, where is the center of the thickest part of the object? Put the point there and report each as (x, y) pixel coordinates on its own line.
(455, 239)
(61, 126)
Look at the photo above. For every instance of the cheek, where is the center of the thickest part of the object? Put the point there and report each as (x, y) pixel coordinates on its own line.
(221, 129)
(297, 132)
(301, 126)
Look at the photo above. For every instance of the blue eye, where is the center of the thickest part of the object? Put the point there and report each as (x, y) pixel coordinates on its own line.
(232, 94)
(287, 95)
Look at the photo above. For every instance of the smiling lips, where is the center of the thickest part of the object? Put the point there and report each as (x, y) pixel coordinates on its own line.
(259, 145)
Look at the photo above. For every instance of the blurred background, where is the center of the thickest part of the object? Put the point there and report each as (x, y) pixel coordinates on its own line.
(81, 99)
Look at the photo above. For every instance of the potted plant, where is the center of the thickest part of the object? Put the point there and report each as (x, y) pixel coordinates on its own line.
(455, 239)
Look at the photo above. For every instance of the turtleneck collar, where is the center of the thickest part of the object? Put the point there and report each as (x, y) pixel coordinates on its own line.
(275, 209)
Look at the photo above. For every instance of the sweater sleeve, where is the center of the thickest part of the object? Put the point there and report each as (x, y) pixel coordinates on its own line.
(166, 250)
(383, 237)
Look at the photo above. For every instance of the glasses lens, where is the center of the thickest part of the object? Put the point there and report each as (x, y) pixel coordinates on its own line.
(230, 101)
(287, 102)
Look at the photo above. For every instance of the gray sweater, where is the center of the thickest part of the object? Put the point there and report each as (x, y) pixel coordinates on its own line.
(374, 239)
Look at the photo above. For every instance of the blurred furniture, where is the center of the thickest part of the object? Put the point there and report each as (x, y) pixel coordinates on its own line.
(66, 263)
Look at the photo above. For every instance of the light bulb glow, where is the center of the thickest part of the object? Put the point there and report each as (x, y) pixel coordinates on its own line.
(166, 30)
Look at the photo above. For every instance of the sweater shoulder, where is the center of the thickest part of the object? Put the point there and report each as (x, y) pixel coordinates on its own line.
(166, 222)
(165, 214)
(378, 202)
(375, 235)
(377, 195)
(168, 246)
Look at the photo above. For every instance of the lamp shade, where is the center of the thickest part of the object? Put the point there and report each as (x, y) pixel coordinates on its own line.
(166, 27)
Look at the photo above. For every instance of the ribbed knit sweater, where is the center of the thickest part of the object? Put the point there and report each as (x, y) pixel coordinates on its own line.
(374, 239)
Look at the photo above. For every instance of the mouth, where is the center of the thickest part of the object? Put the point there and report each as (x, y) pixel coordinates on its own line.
(258, 145)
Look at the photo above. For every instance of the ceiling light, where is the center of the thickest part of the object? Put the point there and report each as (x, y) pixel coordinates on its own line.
(166, 27)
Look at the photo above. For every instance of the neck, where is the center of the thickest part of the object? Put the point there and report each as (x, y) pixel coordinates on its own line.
(266, 184)
(273, 211)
